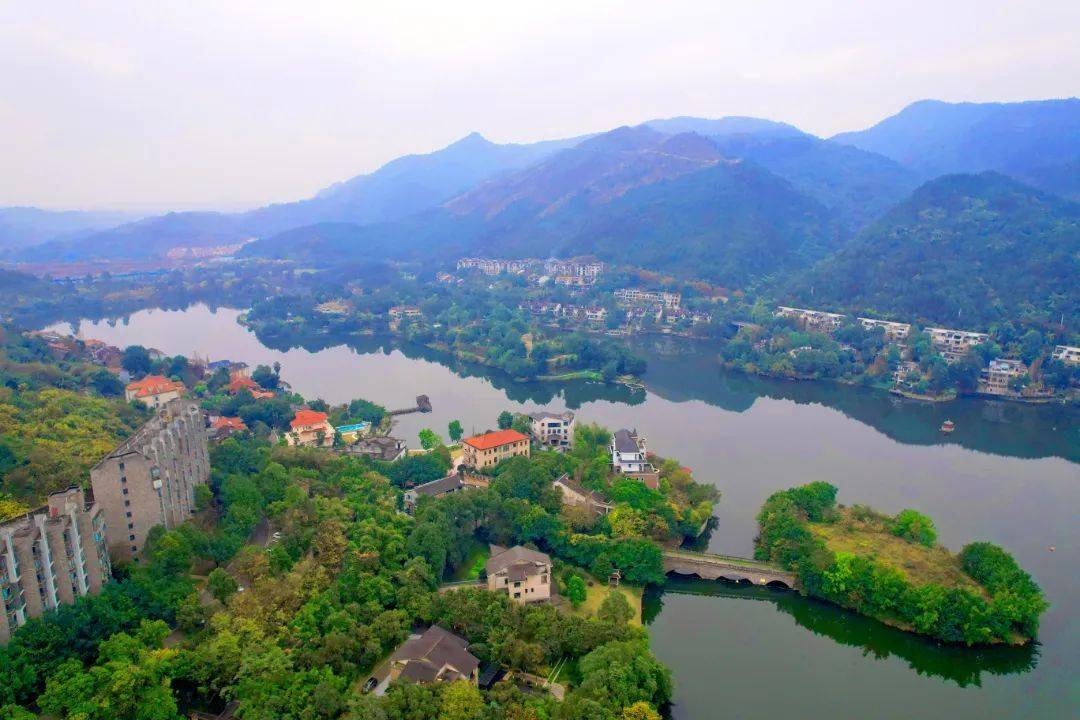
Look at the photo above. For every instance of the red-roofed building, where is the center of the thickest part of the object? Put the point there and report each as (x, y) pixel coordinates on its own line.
(484, 451)
(239, 381)
(223, 427)
(154, 390)
(310, 427)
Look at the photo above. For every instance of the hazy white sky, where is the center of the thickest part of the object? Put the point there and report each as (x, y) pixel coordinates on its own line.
(224, 104)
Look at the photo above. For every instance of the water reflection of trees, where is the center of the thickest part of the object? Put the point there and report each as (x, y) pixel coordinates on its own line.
(683, 371)
(962, 665)
(574, 393)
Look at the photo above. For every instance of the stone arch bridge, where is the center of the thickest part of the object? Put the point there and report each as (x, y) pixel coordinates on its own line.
(708, 566)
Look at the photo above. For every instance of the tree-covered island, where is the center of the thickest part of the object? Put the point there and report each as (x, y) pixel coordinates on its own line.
(891, 569)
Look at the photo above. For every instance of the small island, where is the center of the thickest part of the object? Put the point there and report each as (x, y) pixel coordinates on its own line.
(892, 569)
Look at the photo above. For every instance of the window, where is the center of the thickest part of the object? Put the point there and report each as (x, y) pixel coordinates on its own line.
(131, 537)
(131, 526)
(128, 513)
(124, 491)
(127, 503)
(134, 549)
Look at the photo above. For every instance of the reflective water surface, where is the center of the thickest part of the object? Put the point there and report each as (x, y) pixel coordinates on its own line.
(1010, 474)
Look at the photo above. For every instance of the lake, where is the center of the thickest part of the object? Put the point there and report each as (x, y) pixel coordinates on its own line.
(1009, 474)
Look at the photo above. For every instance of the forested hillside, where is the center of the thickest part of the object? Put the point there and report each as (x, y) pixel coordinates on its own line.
(966, 250)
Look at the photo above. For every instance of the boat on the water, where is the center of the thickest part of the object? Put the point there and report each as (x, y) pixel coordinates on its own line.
(948, 426)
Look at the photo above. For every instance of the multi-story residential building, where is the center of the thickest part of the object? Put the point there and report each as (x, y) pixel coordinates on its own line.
(813, 319)
(310, 427)
(491, 266)
(1067, 354)
(154, 390)
(51, 556)
(489, 449)
(552, 430)
(999, 373)
(628, 451)
(150, 478)
(588, 271)
(897, 332)
(524, 574)
(634, 296)
(954, 344)
(379, 447)
(539, 307)
(630, 457)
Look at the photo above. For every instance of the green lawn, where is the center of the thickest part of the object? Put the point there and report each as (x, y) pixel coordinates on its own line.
(596, 593)
(474, 563)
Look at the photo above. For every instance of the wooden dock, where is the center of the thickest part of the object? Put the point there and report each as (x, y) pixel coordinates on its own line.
(423, 405)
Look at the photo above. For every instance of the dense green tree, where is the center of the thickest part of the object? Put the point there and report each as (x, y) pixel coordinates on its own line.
(136, 360)
(575, 590)
(615, 608)
(221, 585)
(914, 526)
(429, 439)
(455, 431)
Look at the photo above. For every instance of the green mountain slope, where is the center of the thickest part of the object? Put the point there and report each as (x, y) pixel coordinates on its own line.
(964, 250)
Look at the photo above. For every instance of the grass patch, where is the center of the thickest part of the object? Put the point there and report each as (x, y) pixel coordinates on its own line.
(596, 593)
(474, 562)
(918, 563)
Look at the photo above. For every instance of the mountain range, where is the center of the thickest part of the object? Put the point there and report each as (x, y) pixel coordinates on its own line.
(734, 200)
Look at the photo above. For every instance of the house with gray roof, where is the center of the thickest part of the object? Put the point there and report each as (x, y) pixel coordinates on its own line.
(435, 488)
(384, 448)
(574, 494)
(436, 656)
(524, 574)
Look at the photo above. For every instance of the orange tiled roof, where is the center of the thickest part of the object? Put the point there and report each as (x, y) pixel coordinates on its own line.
(154, 385)
(232, 423)
(308, 417)
(494, 439)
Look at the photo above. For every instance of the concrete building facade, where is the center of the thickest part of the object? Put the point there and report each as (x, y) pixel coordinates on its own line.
(524, 574)
(51, 556)
(490, 449)
(552, 430)
(150, 478)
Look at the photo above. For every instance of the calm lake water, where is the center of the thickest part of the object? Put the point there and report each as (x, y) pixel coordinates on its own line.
(1009, 474)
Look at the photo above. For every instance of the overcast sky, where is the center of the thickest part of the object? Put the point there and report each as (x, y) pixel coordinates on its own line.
(147, 105)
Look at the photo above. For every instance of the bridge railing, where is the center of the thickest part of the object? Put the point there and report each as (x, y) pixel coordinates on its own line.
(728, 559)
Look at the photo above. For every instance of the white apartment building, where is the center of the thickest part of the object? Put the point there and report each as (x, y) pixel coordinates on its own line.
(955, 342)
(1067, 354)
(635, 296)
(999, 373)
(893, 330)
(815, 319)
(552, 430)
